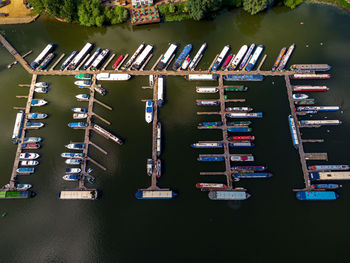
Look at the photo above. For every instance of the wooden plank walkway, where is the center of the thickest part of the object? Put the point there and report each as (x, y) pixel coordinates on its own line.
(19, 150)
(57, 61)
(300, 148)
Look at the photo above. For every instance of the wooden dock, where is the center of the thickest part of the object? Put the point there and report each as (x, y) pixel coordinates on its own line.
(19, 149)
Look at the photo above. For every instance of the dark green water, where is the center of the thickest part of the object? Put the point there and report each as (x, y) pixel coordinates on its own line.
(272, 226)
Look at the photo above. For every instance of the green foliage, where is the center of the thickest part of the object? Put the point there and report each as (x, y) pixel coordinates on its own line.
(116, 15)
(38, 6)
(254, 6)
(91, 13)
(172, 9)
(68, 10)
(232, 3)
(177, 18)
(199, 9)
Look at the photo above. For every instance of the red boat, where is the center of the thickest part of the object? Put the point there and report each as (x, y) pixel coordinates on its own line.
(116, 63)
(241, 138)
(311, 76)
(310, 88)
(228, 59)
(30, 145)
(210, 186)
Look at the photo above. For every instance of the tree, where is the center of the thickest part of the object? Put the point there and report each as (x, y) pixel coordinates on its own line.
(198, 9)
(254, 6)
(91, 13)
(68, 10)
(52, 7)
(292, 3)
(38, 6)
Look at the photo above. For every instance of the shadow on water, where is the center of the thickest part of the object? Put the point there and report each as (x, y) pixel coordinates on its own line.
(248, 25)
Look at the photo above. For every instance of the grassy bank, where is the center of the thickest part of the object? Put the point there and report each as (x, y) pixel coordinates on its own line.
(174, 12)
(341, 3)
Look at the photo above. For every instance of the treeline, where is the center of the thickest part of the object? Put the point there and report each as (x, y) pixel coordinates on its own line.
(86, 12)
(200, 9)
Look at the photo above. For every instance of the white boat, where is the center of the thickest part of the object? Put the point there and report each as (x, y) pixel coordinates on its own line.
(207, 90)
(151, 80)
(17, 130)
(186, 63)
(38, 103)
(75, 146)
(73, 161)
(41, 90)
(83, 97)
(149, 111)
(79, 110)
(239, 57)
(41, 84)
(29, 163)
(36, 116)
(112, 76)
(71, 177)
(73, 170)
(28, 156)
(20, 187)
(83, 83)
(160, 91)
(77, 116)
(300, 96)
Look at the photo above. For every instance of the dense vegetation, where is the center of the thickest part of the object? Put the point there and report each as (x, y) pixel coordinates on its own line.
(86, 12)
(174, 12)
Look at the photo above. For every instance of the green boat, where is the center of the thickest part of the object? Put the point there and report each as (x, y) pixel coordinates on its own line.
(3, 215)
(239, 123)
(236, 88)
(305, 102)
(84, 76)
(14, 194)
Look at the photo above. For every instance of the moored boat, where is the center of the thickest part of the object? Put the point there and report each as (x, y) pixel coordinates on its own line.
(251, 175)
(31, 139)
(71, 177)
(210, 158)
(305, 102)
(29, 156)
(329, 167)
(228, 195)
(159, 168)
(36, 116)
(241, 144)
(30, 146)
(249, 168)
(30, 124)
(78, 124)
(25, 170)
(197, 56)
(207, 90)
(68, 60)
(41, 85)
(309, 88)
(73, 170)
(112, 76)
(310, 76)
(317, 195)
(83, 83)
(293, 131)
(235, 88)
(29, 163)
(208, 103)
(79, 110)
(100, 58)
(211, 124)
(238, 109)
(242, 158)
(278, 60)
(247, 56)
(210, 186)
(84, 97)
(241, 138)
(178, 62)
(46, 61)
(155, 194)
(326, 186)
(77, 116)
(286, 58)
(84, 76)
(227, 61)
(244, 115)
(73, 155)
(149, 167)
(239, 129)
(149, 111)
(75, 146)
(220, 58)
(38, 103)
(207, 145)
(117, 62)
(100, 90)
(320, 122)
(73, 161)
(41, 90)
(186, 63)
(299, 96)
(20, 187)
(235, 62)
(258, 51)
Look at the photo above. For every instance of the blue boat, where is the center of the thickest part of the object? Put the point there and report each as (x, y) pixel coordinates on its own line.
(71, 177)
(187, 49)
(254, 57)
(247, 56)
(248, 77)
(317, 195)
(68, 60)
(326, 186)
(210, 124)
(26, 170)
(252, 175)
(239, 129)
(207, 145)
(31, 139)
(211, 159)
(241, 144)
(293, 131)
(78, 124)
(155, 194)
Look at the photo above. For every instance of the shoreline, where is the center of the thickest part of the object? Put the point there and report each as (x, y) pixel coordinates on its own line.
(322, 2)
(18, 20)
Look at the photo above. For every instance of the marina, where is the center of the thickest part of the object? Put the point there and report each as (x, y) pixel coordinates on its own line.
(246, 74)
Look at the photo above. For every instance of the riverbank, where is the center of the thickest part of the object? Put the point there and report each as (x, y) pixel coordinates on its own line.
(17, 13)
(339, 3)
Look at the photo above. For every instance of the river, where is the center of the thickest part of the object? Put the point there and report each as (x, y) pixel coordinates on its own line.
(271, 226)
